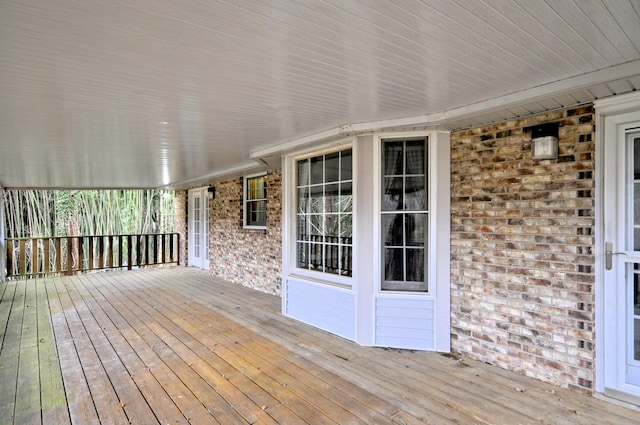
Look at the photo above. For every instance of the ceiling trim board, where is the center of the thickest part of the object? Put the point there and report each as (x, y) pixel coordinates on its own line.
(441, 119)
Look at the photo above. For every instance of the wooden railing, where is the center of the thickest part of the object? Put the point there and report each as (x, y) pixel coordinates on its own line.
(70, 254)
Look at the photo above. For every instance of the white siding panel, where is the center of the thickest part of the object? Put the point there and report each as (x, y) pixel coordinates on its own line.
(405, 322)
(324, 306)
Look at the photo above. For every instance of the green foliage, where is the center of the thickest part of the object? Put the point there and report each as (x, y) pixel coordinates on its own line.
(43, 213)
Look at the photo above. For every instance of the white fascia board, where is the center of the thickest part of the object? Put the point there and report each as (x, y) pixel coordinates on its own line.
(439, 120)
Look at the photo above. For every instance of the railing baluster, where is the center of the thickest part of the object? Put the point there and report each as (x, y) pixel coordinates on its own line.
(171, 249)
(56, 244)
(34, 256)
(70, 255)
(10, 247)
(81, 254)
(91, 259)
(23, 258)
(129, 252)
(110, 253)
(163, 241)
(120, 250)
(155, 249)
(100, 252)
(47, 256)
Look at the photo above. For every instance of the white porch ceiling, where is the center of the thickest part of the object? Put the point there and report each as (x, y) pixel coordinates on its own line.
(160, 93)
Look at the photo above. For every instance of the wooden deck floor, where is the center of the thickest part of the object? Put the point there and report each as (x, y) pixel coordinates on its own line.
(175, 346)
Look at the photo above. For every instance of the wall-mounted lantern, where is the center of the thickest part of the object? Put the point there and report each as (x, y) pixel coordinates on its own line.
(211, 192)
(544, 141)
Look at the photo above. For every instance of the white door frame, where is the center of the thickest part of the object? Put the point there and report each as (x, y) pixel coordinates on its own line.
(613, 117)
(203, 260)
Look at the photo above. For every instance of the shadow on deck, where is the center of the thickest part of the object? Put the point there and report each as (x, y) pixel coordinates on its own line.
(177, 346)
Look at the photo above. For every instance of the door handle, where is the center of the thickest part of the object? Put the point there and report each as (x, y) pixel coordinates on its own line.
(608, 255)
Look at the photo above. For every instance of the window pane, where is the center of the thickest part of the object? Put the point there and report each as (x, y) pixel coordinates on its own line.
(345, 165)
(303, 172)
(317, 173)
(317, 227)
(392, 229)
(303, 231)
(316, 257)
(346, 197)
(332, 230)
(393, 264)
(345, 260)
(415, 157)
(393, 194)
(393, 158)
(415, 265)
(316, 199)
(346, 227)
(332, 259)
(332, 167)
(257, 213)
(415, 196)
(303, 255)
(332, 199)
(414, 229)
(303, 200)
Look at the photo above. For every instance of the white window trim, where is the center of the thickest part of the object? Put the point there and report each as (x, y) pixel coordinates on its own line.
(244, 202)
(433, 231)
(380, 139)
(290, 267)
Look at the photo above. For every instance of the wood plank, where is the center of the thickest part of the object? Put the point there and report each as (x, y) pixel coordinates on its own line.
(234, 369)
(27, 408)
(281, 362)
(129, 397)
(12, 306)
(152, 333)
(162, 405)
(351, 397)
(82, 409)
(53, 399)
(151, 355)
(303, 382)
(320, 341)
(175, 345)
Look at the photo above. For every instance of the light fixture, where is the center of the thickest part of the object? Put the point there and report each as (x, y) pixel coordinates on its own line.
(544, 141)
(211, 192)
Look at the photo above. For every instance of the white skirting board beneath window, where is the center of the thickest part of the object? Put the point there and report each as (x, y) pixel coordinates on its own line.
(405, 322)
(326, 307)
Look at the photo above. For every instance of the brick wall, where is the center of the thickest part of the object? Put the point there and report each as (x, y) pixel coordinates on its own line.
(180, 205)
(252, 258)
(522, 249)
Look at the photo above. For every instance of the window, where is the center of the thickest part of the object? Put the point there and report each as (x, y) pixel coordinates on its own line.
(255, 202)
(404, 215)
(324, 214)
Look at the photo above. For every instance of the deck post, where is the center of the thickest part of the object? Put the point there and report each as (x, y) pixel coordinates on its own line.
(3, 246)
